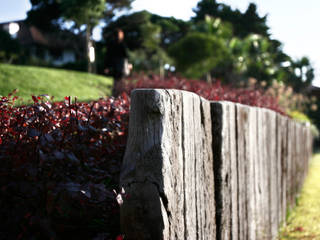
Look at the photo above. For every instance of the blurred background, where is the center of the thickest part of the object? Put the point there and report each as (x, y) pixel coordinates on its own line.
(241, 43)
(288, 22)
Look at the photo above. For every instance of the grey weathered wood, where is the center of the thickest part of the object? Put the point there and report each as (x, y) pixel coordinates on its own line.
(252, 196)
(207, 207)
(295, 168)
(200, 170)
(278, 168)
(168, 168)
(264, 231)
(233, 171)
(308, 148)
(294, 175)
(259, 194)
(242, 162)
(224, 148)
(247, 154)
(283, 148)
(290, 164)
(305, 151)
(300, 156)
(271, 141)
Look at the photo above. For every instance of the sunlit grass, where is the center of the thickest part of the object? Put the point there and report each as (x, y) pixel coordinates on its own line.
(54, 82)
(304, 220)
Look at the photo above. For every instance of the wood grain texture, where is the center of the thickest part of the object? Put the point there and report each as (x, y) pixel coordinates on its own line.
(283, 152)
(226, 188)
(195, 169)
(264, 226)
(243, 166)
(170, 150)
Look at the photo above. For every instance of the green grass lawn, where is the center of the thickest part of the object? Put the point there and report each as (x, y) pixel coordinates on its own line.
(304, 221)
(54, 82)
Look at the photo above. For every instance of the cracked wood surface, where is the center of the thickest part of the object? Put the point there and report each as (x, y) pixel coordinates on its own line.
(170, 151)
(195, 169)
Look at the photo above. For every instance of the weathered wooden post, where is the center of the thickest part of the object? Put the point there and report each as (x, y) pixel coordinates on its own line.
(195, 169)
(282, 132)
(223, 116)
(168, 168)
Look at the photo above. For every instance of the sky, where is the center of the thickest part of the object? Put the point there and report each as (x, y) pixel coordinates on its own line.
(291, 22)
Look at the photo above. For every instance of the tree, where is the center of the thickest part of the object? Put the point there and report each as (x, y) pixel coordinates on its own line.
(85, 13)
(45, 14)
(243, 23)
(172, 29)
(50, 15)
(253, 58)
(252, 23)
(143, 38)
(208, 51)
(211, 56)
(300, 74)
(207, 7)
(115, 6)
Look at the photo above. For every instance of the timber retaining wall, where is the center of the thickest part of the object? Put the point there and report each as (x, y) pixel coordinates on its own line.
(195, 169)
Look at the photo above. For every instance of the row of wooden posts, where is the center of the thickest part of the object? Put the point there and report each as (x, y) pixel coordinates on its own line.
(195, 169)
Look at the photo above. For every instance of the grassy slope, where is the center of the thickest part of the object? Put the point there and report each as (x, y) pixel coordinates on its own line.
(304, 220)
(58, 83)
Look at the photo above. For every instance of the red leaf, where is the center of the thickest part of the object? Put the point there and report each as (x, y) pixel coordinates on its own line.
(34, 99)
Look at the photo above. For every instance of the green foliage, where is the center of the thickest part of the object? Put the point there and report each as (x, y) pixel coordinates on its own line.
(172, 29)
(236, 45)
(143, 38)
(244, 24)
(304, 74)
(143, 61)
(49, 14)
(303, 221)
(44, 14)
(254, 53)
(58, 83)
(139, 31)
(254, 57)
(251, 22)
(207, 52)
(218, 49)
(299, 116)
(83, 12)
(115, 6)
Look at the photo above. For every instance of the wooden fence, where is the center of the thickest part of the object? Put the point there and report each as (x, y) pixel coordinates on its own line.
(195, 169)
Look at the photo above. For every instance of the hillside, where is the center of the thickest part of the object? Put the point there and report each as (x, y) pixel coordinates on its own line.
(54, 82)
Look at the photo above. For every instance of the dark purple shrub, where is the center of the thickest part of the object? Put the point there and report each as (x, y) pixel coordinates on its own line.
(59, 165)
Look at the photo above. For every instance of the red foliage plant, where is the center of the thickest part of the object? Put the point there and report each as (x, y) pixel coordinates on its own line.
(59, 164)
(211, 91)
